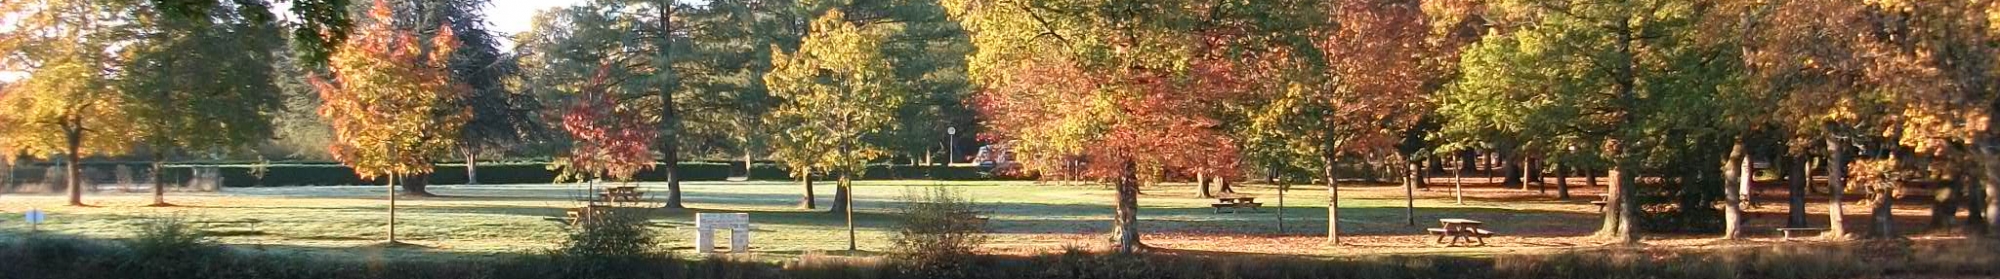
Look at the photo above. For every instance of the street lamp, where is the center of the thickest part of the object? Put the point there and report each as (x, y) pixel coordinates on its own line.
(951, 137)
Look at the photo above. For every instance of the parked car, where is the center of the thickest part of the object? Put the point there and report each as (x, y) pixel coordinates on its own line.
(995, 157)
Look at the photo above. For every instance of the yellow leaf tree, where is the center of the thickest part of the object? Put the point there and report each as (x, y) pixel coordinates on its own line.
(392, 106)
(835, 91)
(66, 106)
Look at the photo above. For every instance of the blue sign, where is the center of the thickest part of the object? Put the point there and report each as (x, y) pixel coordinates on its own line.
(35, 216)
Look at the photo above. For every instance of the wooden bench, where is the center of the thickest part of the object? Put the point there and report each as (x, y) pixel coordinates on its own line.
(1234, 203)
(1788, 231)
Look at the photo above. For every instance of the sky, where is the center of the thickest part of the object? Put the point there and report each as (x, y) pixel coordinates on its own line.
(510, 17)
(505, 17)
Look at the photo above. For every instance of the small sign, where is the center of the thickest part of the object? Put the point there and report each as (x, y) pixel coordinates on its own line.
(951, 130)
(35, 216)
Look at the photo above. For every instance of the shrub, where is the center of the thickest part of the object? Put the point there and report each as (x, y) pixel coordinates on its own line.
(168, 237)
(613, 246)
(938, 232)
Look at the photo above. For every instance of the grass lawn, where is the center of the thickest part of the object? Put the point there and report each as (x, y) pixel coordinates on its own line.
(1026, 217)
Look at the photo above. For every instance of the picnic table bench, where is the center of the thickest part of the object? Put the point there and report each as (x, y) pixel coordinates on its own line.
(590, 213)
(1238, 202)
(1788, 231)
(1460, 229)
(621, 194)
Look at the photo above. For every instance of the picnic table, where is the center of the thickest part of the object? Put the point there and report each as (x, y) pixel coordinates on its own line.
(1237, 202)
(589, 213)
(1461, 229)
(621, 194)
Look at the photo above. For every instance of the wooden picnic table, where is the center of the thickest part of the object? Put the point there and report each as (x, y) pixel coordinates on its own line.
(1461, 229)
(621, 194)
(1237, 202)
(588, 213)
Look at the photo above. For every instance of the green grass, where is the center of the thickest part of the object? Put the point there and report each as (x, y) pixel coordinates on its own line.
(1025, 216)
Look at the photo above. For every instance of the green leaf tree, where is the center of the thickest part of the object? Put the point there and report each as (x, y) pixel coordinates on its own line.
(836, 91)
(203, 82)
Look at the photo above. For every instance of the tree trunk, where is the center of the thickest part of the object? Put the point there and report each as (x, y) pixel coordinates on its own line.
(1836, 183)
(1989, 180)
(670, 138)
(1975, 202)
(1883, 193)
(1410, 182)
(1333, 198)
(159, 185)
(1733, 169)
(807, 202)
(1620, 214)
(1589, 177)
(471, 165)
(71, 170)
(417, 185)
(1281, 207)
(1796, 179)
(1202, 179)
(847, 205)
(1228, 186)
(1944, 211)
(1511, 166)
(1436, 164)
(1562, 181)
(392, 208)
(1125, 225)
(1459, 186)
(840, 197)
(1527, 172)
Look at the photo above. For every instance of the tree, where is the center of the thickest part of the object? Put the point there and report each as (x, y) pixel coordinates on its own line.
(639, 40)
(391, 102)
(1060, 80)
(1629, 75)
(203, 82)
(613, 140)
(837, 90)
(67, 106)
(500, 116)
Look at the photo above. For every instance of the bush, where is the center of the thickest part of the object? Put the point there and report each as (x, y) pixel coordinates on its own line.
(613, 246)
(938, 232)
(162, 247)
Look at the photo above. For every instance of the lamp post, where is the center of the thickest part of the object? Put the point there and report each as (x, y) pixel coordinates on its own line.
(951, 138)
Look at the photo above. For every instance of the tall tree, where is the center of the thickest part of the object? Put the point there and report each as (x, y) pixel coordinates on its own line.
(1628, 75)
(391, 101)
(643, 44)
(203, 82)
(68, 105)
(500, 116)
(837, 90)
(1104, 80)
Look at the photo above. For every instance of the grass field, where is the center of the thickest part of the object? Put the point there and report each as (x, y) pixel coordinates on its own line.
(1026, 217)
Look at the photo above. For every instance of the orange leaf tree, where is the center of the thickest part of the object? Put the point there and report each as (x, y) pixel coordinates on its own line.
(1062, 81)
(392, 106)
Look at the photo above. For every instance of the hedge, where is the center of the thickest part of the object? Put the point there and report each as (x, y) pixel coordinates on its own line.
(318, 174)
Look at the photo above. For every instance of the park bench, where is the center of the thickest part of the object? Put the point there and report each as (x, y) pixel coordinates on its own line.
(1460, 229)
(1234, 203)
(1788, 231)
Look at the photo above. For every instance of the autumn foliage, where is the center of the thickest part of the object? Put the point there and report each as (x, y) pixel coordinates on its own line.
(390, 100)
(613, 138)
